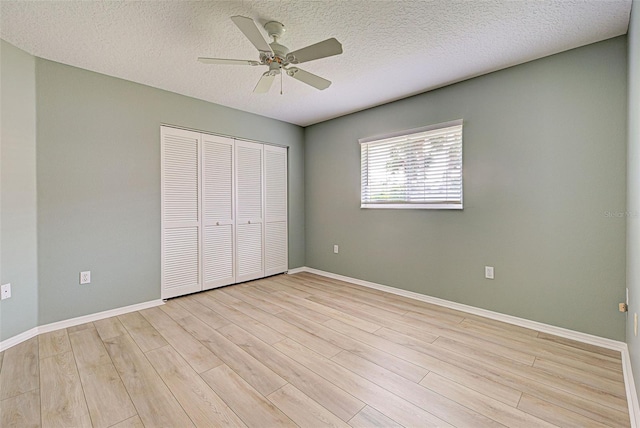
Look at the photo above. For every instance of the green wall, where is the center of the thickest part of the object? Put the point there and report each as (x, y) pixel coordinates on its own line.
(98, 153)
(633, 187)
(544, 183)
(18, 250)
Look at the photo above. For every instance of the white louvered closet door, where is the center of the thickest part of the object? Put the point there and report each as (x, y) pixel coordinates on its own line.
(180, 242)
(249, 211)
(275, 196)
(218, 211)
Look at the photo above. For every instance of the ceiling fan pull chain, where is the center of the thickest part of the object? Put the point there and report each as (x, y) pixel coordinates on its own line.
(280, 82)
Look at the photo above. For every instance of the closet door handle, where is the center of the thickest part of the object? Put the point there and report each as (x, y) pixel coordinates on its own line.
(249, 222)
(217, 223)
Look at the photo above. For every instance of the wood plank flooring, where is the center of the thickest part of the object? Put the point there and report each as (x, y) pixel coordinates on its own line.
(304, 350)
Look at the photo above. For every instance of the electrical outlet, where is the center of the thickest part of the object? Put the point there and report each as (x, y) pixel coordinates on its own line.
(335, 249)
(488, 272)
(85, 277)
(5, 291)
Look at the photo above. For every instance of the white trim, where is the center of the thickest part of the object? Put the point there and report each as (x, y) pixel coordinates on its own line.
(98, 316)
(409, 132)
(456, 206)
(629, 383)
(629, 386)
(15, 340)
(215, 134)
(534, 325)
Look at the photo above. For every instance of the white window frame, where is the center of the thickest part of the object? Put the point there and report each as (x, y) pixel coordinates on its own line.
(411, 135)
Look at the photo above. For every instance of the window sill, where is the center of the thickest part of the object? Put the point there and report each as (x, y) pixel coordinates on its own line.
(413, 206)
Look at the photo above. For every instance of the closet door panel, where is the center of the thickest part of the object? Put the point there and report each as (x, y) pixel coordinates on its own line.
(218, 256)
(249, 259)
(276, 236)
(181, 259)
(275, 167)
(249, 211)
(249, 181)
(276, 255)
(217, 165)
(180, 242)
(218, 211)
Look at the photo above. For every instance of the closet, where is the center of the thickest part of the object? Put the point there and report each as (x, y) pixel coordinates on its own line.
(224, 211)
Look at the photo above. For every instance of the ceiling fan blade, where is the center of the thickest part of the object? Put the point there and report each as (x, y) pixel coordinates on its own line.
(264, 84)
(324, 49)
(308, 78)
(251, 31)
(228, 61)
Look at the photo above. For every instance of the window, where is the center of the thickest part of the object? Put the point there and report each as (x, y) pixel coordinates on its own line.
(420, 168)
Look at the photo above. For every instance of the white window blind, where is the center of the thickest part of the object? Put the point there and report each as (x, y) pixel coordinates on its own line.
(421, 168)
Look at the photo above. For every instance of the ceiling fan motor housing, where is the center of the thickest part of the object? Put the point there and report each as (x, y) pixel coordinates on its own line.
(274, 68)
(279, 50)
(276, 30)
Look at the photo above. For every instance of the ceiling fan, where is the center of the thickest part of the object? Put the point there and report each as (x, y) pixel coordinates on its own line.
(277, 57)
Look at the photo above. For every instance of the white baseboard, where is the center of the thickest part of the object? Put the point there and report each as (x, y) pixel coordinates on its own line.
(632, 396)
(534, 325)
(630, 388)
(19, 338)
(12, 341)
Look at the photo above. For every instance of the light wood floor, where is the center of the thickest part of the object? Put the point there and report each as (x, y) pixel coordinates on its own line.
(303, 350)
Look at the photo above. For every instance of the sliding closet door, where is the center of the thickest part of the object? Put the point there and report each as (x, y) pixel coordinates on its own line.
(180, 242)
(249, 211)
(275, 215)
(218, 211)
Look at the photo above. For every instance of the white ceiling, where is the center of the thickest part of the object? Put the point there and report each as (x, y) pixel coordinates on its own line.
(392, 49)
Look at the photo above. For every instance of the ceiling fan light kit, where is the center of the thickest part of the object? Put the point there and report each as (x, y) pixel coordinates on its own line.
(277, 57)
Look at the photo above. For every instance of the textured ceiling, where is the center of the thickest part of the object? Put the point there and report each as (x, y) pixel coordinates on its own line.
(392, 49)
